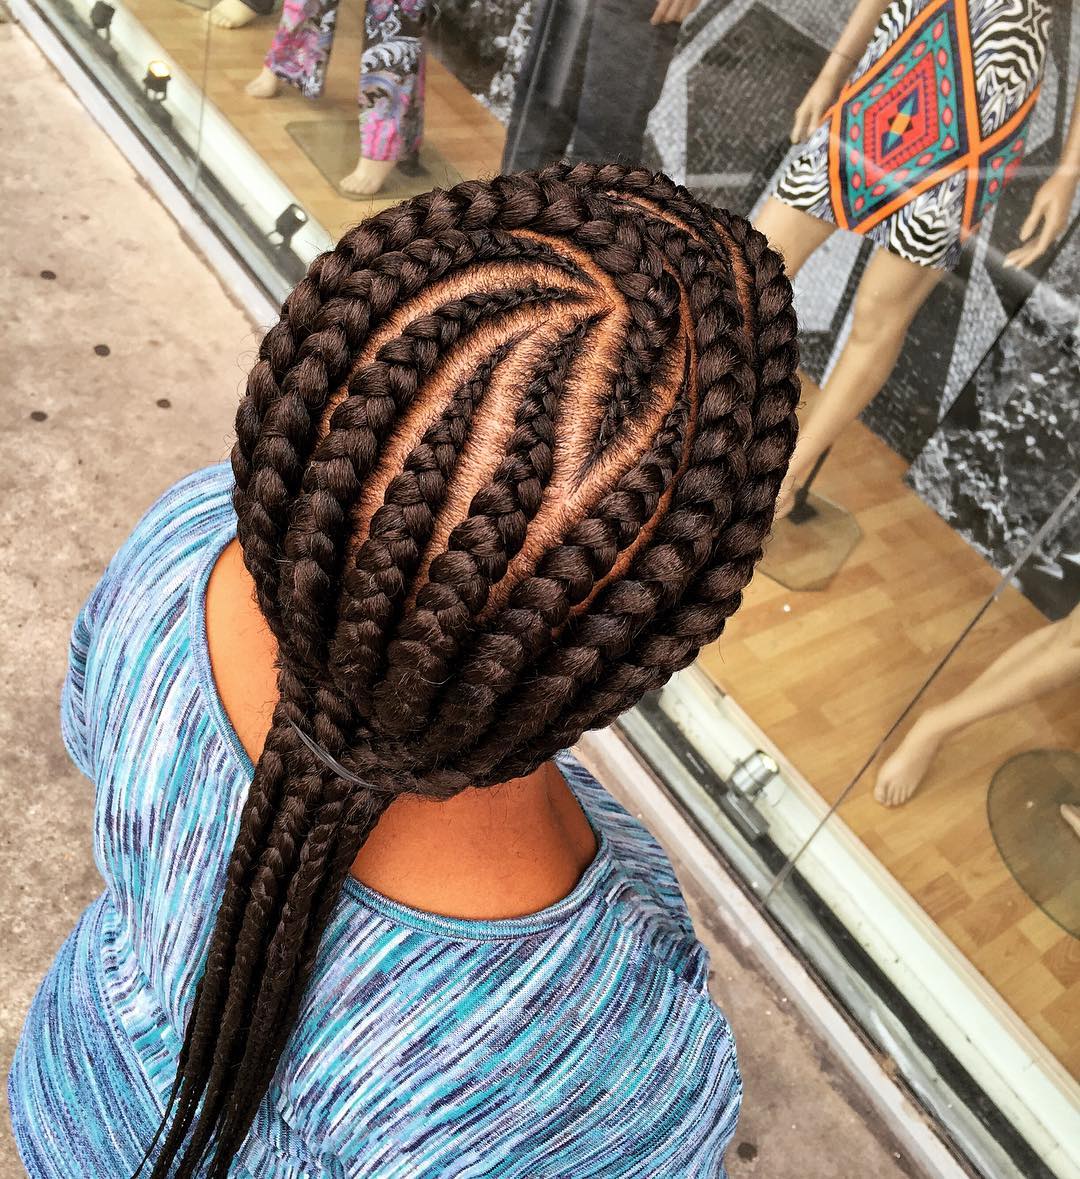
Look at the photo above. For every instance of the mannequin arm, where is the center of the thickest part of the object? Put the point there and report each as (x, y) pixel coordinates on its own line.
(1053, 200)
(862, 22)
(840, 62)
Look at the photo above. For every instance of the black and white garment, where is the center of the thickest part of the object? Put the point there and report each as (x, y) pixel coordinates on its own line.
(929, 128)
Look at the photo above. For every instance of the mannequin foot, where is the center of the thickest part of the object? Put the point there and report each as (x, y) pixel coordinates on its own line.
(1070, 812)
(368, 176)
(230, 14)
(903, 772)
(266, 84)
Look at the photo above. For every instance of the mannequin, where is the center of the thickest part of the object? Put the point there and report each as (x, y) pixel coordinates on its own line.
(1047, 659)
(834, 182)
(391, 77)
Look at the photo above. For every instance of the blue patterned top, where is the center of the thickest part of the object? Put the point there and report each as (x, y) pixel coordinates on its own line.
(578, 1041)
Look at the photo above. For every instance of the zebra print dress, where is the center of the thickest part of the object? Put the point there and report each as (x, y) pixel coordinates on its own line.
(929, 128)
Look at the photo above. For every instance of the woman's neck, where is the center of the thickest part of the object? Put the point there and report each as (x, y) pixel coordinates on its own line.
(485, 854)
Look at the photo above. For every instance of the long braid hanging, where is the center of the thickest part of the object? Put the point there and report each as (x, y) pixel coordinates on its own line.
(506, 462)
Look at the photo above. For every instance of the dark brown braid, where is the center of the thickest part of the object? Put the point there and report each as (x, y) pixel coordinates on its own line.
(505, 463)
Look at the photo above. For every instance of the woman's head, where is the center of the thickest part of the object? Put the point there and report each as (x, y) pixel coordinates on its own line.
(504, 465)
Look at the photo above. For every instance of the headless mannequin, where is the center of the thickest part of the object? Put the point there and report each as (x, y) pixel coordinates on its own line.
(391, 83)
(1043, 661)
(892, 289)
(485, 854)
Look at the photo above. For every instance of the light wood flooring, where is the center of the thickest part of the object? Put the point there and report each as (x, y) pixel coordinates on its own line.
(467, 136)
(827, 678)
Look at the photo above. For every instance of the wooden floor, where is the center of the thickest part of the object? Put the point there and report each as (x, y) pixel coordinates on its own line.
(467, 137)
(827, 678)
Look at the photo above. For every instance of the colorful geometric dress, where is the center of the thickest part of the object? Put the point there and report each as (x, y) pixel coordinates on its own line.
(929, 128)
(391, 67)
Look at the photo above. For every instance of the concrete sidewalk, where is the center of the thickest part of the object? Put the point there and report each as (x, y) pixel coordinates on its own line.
(123, 360)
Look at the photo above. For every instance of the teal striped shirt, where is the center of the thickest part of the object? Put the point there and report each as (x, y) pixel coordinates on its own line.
(575, 1042)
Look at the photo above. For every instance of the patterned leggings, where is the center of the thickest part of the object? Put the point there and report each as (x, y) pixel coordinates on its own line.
(391, 68)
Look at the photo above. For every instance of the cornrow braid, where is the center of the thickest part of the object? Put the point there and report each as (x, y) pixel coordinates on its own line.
(506, 462)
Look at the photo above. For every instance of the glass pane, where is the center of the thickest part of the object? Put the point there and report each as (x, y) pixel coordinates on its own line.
(939, 529)
(145, 57)
(933, 524)
(317, 116)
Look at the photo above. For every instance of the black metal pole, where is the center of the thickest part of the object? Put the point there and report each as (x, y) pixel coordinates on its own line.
(802, 510)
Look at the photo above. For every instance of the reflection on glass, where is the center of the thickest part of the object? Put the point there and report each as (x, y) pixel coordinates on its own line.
(391, 89)
(970, 813)
(907, 652)
(593, 72)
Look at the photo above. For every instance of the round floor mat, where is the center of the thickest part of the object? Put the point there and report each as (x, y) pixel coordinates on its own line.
(1039, 847)
(807, 555)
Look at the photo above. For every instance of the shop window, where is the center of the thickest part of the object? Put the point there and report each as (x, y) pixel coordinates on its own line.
(909, 815)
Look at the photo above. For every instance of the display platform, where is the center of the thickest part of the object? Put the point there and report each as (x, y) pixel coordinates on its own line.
(330, 144)
(807, 553)
(1039, 847)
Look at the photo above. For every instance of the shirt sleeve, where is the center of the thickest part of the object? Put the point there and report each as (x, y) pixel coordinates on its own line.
(73, 720)
(208, 488)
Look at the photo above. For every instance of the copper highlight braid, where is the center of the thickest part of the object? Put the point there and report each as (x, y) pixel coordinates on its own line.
(506, 463)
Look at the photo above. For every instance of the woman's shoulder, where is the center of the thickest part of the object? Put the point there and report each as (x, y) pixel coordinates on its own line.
(644, 893)
(168, 533)
(577, 1044)
(193, 505)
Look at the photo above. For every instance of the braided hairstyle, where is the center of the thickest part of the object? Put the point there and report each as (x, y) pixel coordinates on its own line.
(505, 464)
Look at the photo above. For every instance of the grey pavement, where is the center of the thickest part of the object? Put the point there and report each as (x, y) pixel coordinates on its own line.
(122, 359)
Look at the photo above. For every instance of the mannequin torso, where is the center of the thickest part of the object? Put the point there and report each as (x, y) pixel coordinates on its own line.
(485, 854)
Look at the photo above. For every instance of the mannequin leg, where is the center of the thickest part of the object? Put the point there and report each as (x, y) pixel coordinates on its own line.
(890, 293)
(300, 49)
(795, 235)
(1047, 659)
(391, 92)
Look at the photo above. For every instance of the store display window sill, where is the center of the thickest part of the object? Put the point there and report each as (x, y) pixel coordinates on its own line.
(1000, 1093)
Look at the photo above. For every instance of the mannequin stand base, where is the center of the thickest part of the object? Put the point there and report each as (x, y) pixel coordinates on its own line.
(809, 547)
(333, 146)
(803, 510)
(1039, 846)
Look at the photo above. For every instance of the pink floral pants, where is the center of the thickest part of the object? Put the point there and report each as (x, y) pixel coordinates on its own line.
(391, 67)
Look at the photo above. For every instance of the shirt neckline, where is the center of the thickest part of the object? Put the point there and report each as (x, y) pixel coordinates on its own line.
(362, 895)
